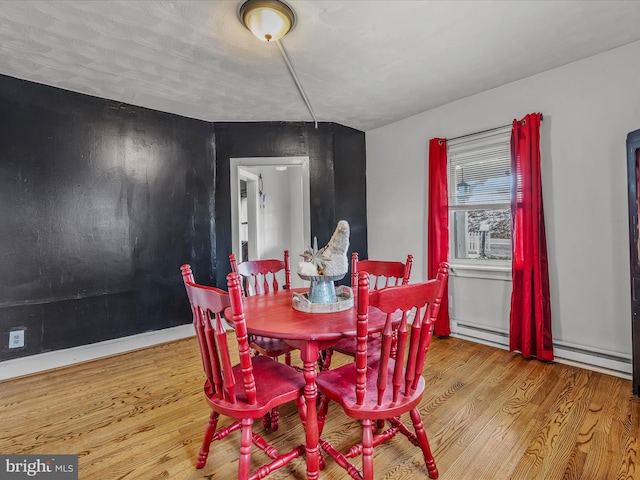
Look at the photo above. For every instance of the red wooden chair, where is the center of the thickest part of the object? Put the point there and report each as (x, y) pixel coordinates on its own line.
(245, 391)
(380, 387)
(259, 277)
(382, 273)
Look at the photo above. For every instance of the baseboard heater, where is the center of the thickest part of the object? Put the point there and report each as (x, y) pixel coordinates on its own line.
(613, 363)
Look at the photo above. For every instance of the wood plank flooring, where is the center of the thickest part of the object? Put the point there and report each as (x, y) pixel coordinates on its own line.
(489, 414)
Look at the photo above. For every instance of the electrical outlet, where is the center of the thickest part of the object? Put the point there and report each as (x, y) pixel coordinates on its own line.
(16, 339)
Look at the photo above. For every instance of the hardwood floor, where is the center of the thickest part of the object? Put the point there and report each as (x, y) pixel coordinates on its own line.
(489, 414)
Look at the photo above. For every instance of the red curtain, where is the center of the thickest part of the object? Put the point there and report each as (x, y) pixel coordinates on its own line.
(530, 320)
(438, 224)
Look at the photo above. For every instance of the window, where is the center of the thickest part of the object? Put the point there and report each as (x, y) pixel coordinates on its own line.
(479, 173)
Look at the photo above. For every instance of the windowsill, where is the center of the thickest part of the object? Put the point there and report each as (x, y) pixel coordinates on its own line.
(488, 272)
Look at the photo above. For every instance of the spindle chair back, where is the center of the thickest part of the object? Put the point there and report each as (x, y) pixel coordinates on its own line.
(244, 391)
(381, 387)
(260, 277)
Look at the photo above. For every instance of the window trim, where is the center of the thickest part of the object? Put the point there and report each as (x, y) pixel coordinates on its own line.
(481, 206)
(486, 272)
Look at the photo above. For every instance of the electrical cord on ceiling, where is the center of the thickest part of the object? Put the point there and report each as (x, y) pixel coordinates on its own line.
(295, 79)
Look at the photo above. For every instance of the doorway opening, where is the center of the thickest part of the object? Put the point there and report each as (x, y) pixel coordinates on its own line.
(270, 208)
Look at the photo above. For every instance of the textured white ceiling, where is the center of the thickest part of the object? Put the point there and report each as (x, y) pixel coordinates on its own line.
(362, 63)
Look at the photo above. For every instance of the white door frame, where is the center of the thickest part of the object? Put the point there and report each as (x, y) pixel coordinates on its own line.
(252, 215)
(235, 165)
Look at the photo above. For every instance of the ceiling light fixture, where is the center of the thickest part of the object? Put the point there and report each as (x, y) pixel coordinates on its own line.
(270, 20)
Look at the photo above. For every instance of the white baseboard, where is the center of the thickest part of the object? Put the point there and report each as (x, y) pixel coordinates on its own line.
(60, 358)
(610, 363)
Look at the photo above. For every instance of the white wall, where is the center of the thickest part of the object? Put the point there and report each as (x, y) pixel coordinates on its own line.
(281, 220)
(589, 107)
(274, 215)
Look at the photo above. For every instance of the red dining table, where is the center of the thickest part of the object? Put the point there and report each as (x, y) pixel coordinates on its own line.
(272, 315)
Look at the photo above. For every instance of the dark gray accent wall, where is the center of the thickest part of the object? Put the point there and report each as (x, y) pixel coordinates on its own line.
(350, 185)
(101, 202)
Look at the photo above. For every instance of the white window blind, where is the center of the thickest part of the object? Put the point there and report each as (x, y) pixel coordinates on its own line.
(479, 169)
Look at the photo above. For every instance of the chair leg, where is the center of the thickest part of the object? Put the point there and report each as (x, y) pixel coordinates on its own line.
(208, 437)
(302, 410)
(322, 413)
(266, 420)
(246, 439)
(424, 443)
(271, 419)
(367, 449)
(275, 418)
(324, 359)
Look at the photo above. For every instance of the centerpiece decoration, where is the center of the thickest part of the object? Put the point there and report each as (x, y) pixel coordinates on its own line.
(322, 267)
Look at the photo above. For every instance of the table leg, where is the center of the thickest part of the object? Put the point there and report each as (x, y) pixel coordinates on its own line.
(309, 356)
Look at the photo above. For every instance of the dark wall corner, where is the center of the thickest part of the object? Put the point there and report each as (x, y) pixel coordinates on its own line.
(102, 202)
(337, 182)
